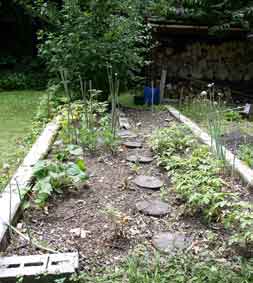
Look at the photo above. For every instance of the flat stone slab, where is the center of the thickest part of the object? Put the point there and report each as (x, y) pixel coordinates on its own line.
(153, 207)
(139, 158)
(148, 182)
(170, 243)
(126, 134)
(131, 144)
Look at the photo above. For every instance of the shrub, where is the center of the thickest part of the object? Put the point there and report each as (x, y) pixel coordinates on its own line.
(22, 81)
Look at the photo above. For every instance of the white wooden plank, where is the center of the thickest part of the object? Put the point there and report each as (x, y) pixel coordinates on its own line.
(241, 168)
(23, 176)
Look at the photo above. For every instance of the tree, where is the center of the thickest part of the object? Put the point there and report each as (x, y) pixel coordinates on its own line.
(88, 35)
(216, 13)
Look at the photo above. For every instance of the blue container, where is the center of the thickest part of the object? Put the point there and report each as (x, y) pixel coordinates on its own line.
(148, 95)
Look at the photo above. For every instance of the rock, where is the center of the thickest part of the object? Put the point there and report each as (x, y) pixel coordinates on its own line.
(171, 242)
(79, 233)
(126, 134)
(168, 120)
(153, 207)
(148, 182)
(130, 144)
(76, 232)
(139, 158)
(123, 123)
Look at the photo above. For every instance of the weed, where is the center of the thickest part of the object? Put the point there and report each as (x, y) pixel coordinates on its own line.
(119, 221)
(135, 167)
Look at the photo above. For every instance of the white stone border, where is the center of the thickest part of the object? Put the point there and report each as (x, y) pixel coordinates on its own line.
(240, 167)
(9, 199)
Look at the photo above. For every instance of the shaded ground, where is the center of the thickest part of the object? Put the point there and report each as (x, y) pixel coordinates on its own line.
(111, 186)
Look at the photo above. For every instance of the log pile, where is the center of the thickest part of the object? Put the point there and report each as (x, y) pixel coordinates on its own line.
(228, 61)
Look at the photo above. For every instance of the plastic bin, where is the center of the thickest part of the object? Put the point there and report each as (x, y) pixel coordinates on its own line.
(148, 95)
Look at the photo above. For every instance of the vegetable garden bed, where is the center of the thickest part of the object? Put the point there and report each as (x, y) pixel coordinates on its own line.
(98, 217)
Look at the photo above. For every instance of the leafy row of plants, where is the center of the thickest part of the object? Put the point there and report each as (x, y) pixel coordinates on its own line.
(86, 126)
(196, 175)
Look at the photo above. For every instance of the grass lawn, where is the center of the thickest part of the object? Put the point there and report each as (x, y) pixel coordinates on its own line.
(17, 109)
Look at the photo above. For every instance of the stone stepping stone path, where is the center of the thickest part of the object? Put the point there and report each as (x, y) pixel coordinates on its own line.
(126, 134)
(170, 243)
(148, 182)
(139, 158)
(153, 207)
(132, 144)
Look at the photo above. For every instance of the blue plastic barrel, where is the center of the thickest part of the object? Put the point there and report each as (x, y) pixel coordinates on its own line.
(148, 95)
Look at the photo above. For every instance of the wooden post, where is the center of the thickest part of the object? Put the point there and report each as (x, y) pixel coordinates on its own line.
(162, 84)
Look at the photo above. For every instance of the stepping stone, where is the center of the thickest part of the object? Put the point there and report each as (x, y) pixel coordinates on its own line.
(130, 144)
(148, 182)
(153, 207)
(170, 243)
(123, 123)
(126, 134)
(168, 120)
(139, 158)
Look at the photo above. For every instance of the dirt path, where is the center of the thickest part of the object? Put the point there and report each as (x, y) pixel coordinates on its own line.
(77, 220)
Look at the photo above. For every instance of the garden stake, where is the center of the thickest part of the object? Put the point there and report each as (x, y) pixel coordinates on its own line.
(152, 96)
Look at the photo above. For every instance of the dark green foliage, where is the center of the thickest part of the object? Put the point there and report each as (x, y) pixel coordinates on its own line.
(22, 81)
(105, 33)
(218, 14)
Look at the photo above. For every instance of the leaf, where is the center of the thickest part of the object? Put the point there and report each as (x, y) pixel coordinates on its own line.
(75, 150)
(40, 169)
(81, 164)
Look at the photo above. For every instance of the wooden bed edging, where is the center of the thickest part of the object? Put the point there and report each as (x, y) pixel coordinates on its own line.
(240, 167)
(9, 199)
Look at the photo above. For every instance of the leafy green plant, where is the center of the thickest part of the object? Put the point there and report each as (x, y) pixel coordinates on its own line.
(245, 153)
(175, 139)
(52, 177)
(195, 175)
(232, 115)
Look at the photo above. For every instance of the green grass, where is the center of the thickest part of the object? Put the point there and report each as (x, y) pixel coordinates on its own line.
(171, 269)
(17, 110)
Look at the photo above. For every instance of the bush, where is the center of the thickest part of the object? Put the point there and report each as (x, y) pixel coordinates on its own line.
(22, 81)
(105, 33)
